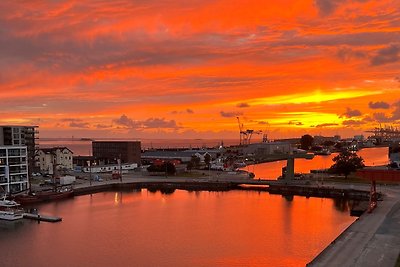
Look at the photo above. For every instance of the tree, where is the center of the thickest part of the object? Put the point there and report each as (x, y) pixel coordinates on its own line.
(168, 168)
(346, 162)
(207, 160)
(306, 141)
(195, 160)
(189, 166)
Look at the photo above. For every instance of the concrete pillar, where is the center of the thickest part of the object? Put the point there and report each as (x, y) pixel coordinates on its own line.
(289, 169)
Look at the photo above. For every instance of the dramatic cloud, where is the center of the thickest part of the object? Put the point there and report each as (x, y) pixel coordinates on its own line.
(353, 123)
(159, 123)
(230, 114)
(151, 123)
(187, 111)
(378, 105)
(243, 105)
(345, 54)
(297, 123)
(381, 117)
(323, 125)
(174, 67)
(126, 122)
(103, 126)
(390, 54)
(79, 125)
(351, 113)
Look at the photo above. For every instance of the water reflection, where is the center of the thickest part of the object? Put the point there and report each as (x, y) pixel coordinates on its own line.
(180, 228)
(271, 170)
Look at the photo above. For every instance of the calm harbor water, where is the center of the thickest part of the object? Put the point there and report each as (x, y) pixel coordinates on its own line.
(140, 228)
(271, 170)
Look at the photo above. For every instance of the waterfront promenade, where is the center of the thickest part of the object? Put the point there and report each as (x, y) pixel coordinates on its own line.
(372, 240)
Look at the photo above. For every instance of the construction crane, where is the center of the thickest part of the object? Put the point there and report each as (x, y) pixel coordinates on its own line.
(245, 135)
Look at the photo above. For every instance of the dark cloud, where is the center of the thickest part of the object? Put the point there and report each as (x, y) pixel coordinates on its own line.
(159, 123)
(389, 54)
(381, 117)
(345, 54)
(347, 39)
(79, 125)
(353, 123)
(126, 122)
(103, 126)
(323, 125)
(243, 105)
(230, 114)
(263, 122)
(378, 105)
(188, 111)
(151, 123)
(391, 118)
(297, 123)
(351, 113)
(327, 7)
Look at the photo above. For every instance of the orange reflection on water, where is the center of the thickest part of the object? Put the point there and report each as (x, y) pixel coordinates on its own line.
(182, 228)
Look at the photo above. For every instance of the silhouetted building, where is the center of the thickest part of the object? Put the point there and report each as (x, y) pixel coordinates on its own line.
(108, 152)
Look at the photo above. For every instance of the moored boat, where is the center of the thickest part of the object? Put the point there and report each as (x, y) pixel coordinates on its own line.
(10, 210)
(44, 196)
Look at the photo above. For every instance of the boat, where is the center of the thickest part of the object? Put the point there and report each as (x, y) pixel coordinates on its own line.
(323, 152)
(10, 210)
(42, 196)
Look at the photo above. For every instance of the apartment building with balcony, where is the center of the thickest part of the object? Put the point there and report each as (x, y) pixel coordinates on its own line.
(16, 135)
(13, 169)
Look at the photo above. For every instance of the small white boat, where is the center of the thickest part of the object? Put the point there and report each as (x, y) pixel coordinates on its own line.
(10, 210)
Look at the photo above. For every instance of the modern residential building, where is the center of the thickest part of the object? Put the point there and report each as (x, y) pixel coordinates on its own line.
(59, 158)
(15, 135)
(13, 169)
(108, 152)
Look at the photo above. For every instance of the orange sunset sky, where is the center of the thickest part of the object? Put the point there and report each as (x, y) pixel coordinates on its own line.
(187, 69)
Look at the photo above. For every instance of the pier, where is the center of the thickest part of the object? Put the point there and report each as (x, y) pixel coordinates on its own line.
(42, 218)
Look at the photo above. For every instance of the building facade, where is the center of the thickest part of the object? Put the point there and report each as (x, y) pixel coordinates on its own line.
(59, 158)
(108, 152)
(263, 150)
(14, 135)
(13, 169)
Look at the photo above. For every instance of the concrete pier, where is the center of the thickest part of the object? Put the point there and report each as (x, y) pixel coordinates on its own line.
(373, 240)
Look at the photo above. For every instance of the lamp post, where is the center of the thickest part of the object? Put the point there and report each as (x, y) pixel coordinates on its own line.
(90, 172)
(120, 169)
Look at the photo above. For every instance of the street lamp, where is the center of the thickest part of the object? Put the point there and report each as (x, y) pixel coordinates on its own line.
(90, 172)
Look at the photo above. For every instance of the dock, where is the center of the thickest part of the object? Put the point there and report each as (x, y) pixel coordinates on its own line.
(42, 218)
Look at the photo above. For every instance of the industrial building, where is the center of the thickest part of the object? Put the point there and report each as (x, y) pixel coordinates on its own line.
(108, 152)
(13, 169)
(264, 150)
(180, 155)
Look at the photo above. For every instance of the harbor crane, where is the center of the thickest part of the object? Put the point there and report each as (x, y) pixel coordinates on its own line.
(245, 135)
